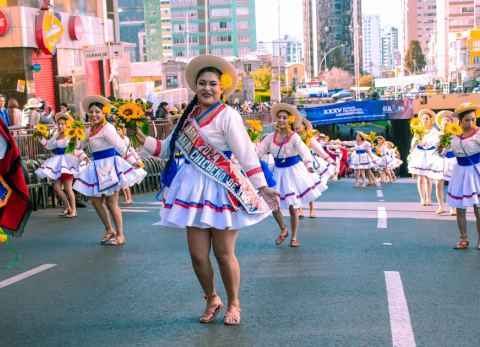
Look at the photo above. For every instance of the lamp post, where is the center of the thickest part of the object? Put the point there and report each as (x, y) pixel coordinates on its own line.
(325, 59)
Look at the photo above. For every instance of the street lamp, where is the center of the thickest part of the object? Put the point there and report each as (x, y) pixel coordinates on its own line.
(325, 58)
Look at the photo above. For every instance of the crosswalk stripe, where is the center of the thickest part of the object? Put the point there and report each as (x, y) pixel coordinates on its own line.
(25, 274)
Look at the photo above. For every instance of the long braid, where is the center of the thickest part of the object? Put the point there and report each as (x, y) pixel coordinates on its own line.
(177, 129)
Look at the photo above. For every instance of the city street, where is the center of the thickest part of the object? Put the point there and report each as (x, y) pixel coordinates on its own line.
(374, 269)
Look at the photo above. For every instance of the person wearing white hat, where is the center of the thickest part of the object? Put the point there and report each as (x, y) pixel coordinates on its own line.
(464, 186)
(32, 107)
(207, 194)
(62, 168)
(293, 169)
(422, 156)
(111, 169)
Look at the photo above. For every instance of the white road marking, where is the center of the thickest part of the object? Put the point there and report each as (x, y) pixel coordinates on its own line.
(400, 324)
(128, 210)
(379, 193)
(382, 218)
(25, 274)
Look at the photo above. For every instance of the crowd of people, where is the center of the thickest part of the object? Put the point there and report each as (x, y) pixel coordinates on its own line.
(218, 178)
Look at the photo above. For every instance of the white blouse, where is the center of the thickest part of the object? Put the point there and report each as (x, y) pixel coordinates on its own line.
(54, 142)
(292, 146)
(226, 132)
(361, 146)
(318, 149)
(470, 144)
(430, 139)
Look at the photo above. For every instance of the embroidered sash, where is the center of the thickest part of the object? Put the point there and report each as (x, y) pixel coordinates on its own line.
(215, 165)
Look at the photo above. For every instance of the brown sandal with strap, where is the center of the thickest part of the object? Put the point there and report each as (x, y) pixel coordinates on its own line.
(283, 235)
(462, 244)
(108, 236)
(232, 317)
(294, 243)
(208, 315)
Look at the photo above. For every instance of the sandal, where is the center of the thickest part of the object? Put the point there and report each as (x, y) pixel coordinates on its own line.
(108, 236)
(313, 214)
(65, 212)
(462, 244)
(300, 213)
(208, 315)
(71, 214)
(428, 202)
(294, 243)
(439, 211)
(232, 317)
(283, 235)
(118, 241)
(355, 185)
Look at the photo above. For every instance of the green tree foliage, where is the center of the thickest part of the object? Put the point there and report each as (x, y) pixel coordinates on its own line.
(262, 78)
(414, 58)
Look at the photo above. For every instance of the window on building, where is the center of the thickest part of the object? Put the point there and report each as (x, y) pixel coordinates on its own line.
(220, 12)
(242, 11)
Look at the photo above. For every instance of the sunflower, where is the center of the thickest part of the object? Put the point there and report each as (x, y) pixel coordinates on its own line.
(453, 129)
(414, 122)
(42, 129)
(107, 109)
(226, 81)
(130, 111)
(3, 238)
(71, 133)
(254, 124)
(291, 119)
(80, 134)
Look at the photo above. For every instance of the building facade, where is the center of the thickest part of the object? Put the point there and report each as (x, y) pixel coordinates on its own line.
(219, 27)
(464, 56)
(389, 37)
(132, 25)
(290, 48)
(329, 30)
(419, 18)
(371, 45)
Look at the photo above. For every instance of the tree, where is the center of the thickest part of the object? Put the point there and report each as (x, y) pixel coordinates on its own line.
(262, 78)
(414, 58)
(366, 81)
(338, 78)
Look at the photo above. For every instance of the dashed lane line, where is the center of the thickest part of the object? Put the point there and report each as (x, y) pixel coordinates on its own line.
(400, 323)
(379, 193)
(382, 218)
(25, 274)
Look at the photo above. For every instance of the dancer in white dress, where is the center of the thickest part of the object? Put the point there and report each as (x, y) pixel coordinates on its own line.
(362, 158)
(464, 186)
(62, 168)
(422, 157)
(207, 195)
(110, 170)
(324, 165)
(293, 169)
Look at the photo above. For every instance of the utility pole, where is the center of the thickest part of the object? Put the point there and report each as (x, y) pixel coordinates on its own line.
(356, 46)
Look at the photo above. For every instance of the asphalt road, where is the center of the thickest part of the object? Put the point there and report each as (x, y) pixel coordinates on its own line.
(375, 269)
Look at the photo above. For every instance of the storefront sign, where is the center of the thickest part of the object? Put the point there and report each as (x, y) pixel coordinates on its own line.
(359, 111)
(4, 23)
(100, 52)
(48, 31)
(75, 28)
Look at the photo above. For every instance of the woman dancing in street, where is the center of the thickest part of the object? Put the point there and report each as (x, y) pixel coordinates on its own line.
(422, 156)
(465, 181)
(62, 168)
(110, 170)
(293, 169)
(362, 158)
(207, 194)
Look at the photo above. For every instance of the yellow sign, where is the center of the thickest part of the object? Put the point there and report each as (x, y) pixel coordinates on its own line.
(48, 30)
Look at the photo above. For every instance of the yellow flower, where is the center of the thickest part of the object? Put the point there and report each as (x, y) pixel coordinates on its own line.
(3, 238)
(414, 122)
(80, 134)
(256, 125)
(69, 123)
(107, 109)
(42, 129)
(71, 133)
(130, 111)
(291, 119)
(226, 81)
(453, 129)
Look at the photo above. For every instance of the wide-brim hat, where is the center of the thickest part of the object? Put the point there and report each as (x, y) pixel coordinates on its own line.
(33, 103)
(94, 98)
(307, 124)
(466, 107)
(428, 111)
(363, 135)
(442, 114)
(389, 144)
(62, 115)
(380, 137)
(204, 61)
(290, 109)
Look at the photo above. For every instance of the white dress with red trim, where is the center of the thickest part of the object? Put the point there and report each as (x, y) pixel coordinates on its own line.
(196, 200)
(423, 158)
(464, 187)
(111, 168)
(361, 157)
(322, 162)
(296, 185)
(61, 163)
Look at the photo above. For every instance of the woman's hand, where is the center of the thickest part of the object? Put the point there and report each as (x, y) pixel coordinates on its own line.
(271, 197)
(311, 170)
(141, 136)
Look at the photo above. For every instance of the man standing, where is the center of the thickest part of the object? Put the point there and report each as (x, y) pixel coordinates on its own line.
(4, 111)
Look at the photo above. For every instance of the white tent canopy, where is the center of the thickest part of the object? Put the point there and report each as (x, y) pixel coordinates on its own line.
(403, 81)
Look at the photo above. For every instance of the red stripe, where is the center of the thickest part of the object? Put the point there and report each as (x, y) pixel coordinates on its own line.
(254, 171)
(158, 149)
(215, 114)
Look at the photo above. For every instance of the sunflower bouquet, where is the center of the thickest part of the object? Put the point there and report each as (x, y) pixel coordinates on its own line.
(417, 129)
(307, 136)
(41, 131)
(75, 132)
(254, 128)
(446, 135)
(130, 114)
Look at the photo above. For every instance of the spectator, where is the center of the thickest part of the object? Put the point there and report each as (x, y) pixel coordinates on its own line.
(162, 111)
(149, 111)
(64, 108)
(14, 114)
(32, 107)
(46, 113)
(4, 111)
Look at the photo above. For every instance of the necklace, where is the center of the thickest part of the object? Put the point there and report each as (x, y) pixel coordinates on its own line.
(210, 109)
(95, 130)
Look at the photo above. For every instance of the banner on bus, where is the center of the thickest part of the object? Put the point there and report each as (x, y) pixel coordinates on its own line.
(359, 111)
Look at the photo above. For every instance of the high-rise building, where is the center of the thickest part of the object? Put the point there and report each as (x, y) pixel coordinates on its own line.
(372, 45)
(290, 48)
(389, 37)
(329, 32)
(158, 30)
(419, 17)
(132, 24)
(220, 27)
